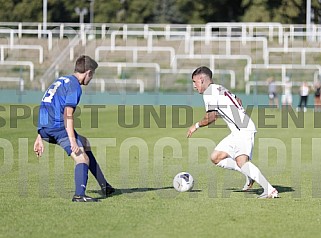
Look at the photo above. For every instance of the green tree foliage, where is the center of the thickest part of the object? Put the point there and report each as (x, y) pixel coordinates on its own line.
(61, 11)
(256, 11)
(20, 10)
(192, 11)
(162, 11)
(111, 11)
(283, 11)
(6, 10)
(139, 11)
(221, 10)
(165, 11)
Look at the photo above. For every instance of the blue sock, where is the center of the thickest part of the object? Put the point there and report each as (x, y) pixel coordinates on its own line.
(95, 170)
(81, 177)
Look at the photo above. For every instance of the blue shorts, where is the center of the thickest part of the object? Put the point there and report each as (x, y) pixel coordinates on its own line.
(59, 136)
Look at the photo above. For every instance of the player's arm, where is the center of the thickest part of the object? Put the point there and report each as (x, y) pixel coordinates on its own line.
(38, 146)
(209, 118)
(69, 125)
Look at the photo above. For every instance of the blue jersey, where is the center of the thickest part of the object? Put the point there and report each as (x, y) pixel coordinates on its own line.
(65, 91)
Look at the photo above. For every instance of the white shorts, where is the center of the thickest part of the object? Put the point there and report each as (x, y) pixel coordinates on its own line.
(287, 99)
(236, 144)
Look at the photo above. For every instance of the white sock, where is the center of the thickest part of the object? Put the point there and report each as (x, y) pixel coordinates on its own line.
(253, 172)
(230, 163)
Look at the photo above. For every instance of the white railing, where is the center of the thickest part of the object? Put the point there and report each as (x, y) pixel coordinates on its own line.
(284, 68)
(18, 80)
(303, 52)
(21, 63)
(38, 48)
(150, 37)
(251, 84)
(121, 65)
(213, 58)
(247, 29)
(228, 40)
(228, 72)
(134, 51)
(15, 33)
(54, 67)
(264, 35)
(122, 82)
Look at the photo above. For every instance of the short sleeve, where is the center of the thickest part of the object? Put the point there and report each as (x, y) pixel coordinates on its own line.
(73, 94)
(210, 99)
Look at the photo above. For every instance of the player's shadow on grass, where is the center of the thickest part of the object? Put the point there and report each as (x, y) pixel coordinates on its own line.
(258, 191)
(142, 190)
(121, 191)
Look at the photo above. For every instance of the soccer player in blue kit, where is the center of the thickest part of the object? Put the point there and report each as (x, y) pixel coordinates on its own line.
(56, 125)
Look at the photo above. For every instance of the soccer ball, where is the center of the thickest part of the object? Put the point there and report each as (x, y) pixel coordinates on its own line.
(183, 182)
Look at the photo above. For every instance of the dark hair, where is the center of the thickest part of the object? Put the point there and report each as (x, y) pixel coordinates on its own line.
(84, 63)
(202, 70)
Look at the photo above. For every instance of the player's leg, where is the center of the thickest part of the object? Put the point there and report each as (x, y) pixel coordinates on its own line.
(226, 162)
(81, 167)
(252, 171)
(276, 100)
(59, 136)
(305, 102)
(81, 172)
(289, 100)
(95, 169)
(222, 157)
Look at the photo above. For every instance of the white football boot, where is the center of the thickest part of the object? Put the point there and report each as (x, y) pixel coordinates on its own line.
(271, 194)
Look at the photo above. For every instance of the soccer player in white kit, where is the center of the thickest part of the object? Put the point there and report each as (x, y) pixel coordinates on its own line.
(235, 150)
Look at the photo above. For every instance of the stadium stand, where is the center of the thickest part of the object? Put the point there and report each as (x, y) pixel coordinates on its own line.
(160, 57)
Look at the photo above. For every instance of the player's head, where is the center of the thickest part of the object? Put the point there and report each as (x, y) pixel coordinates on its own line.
(202, 78)
(85, 69)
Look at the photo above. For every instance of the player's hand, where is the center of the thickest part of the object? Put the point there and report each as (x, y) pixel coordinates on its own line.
(191, 130)
(74, 147)
(38, 146)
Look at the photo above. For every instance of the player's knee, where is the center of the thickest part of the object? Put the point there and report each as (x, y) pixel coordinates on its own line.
(215, 158)
(81, 158)
(84, 160)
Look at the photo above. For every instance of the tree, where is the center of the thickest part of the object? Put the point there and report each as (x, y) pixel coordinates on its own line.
(283, 11)
(257, 11)
(191, 11)
(221, 10)
(109, 11)
(140, 11)
(165, 11)
(6, 10)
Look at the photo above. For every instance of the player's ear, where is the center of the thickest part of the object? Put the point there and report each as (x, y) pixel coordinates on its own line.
(91, 73)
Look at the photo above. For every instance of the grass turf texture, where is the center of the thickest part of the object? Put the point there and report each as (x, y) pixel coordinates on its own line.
(141, 163)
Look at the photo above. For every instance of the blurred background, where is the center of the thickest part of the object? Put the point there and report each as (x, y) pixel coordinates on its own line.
(147, 50)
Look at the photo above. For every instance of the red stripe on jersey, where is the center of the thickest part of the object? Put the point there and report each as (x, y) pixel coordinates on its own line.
(229, 96)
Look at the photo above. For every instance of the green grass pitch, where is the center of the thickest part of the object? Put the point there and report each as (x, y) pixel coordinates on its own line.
(141, 159)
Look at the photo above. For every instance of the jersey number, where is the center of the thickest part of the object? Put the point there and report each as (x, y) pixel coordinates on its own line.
(51, 92)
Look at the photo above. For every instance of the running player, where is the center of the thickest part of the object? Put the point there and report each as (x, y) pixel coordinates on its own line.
(234, 151)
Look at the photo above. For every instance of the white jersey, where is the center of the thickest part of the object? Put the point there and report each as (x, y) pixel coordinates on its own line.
(304, 90)
(217, 98)
(288, 88)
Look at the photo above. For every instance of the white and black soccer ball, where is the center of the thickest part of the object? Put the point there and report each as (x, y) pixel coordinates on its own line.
(183, 182)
